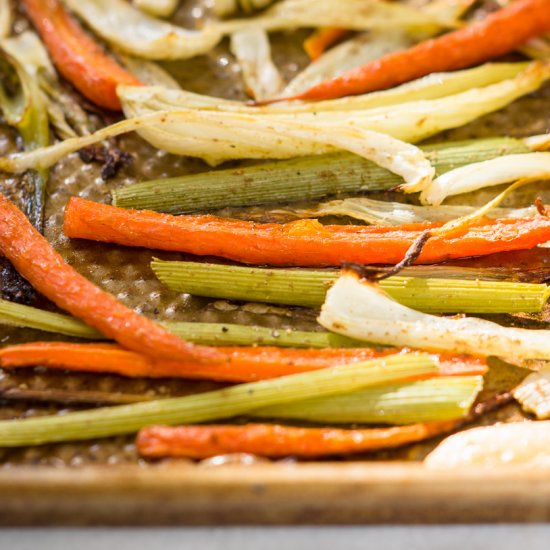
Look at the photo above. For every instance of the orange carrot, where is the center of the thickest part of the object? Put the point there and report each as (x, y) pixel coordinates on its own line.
(316, 44)
(300, 243)
(497, 35)
(242, 364)
(45, 269)
(274, 440)
(76, 55)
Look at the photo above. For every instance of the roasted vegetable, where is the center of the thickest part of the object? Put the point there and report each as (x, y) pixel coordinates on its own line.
(34, 257)
(305, 287)
(241, 364)
(76, 55)
(298, 179)
(500, 33)
(225, 403)
(520, 443)
(274, 440)
(304, 243)
(360, 310)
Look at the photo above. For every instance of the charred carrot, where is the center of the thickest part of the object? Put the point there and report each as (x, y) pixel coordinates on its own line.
(301, 243)
(76, 55)
(497, 35)
(242, 364)
(274, 440)
(316, 44)
(45, 269)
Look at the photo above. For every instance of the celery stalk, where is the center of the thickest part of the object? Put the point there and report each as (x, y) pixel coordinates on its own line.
(298, 179)
(218, 334)
(215, 405)
(19, 315)
(210, 334)
(442, 398)
(308, 288)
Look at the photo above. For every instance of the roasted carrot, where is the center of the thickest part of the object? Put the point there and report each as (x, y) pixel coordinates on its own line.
(45, 269)
(76, 55)
(242, 364)
(300, 243)
(274, 440)
(316, 44)
(498, 34)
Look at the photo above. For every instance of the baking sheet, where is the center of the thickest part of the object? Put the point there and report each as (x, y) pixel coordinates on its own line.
(104, 481)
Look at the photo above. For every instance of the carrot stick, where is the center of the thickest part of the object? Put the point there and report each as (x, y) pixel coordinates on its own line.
(45, 269)
(300, 243)
(497, 35)
(242, 364)
(76, 55)
(274, 440)
(316, 44)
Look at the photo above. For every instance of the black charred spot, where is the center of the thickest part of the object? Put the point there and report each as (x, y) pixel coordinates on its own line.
(111, 158)
(13, 287)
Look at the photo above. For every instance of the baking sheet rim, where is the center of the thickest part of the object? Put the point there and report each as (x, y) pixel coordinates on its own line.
(283, 494)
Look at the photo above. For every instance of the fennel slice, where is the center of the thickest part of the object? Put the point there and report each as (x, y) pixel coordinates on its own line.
(361, 310)
(520, 443)
(534, 393)
(506, 169)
